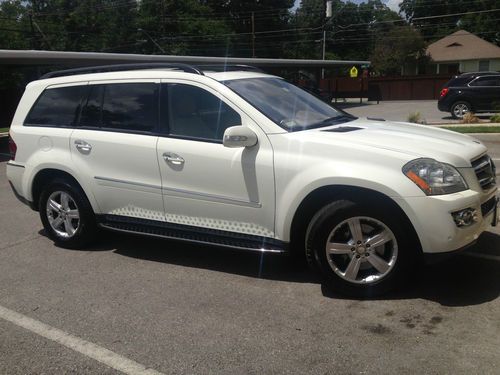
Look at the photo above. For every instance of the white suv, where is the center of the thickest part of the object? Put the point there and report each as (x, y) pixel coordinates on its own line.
(246, 160)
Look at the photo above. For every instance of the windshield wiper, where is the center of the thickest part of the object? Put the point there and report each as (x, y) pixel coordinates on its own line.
(332, 120)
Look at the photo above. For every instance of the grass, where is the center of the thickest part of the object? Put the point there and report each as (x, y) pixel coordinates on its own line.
(474, 129)
(4, 130)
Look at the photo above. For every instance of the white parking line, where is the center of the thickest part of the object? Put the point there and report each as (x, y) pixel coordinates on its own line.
(79, 345)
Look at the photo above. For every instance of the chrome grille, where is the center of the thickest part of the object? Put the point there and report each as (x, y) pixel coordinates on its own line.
(485, 171)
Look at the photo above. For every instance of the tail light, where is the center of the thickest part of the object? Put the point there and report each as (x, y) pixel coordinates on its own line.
(12, 148)
(443, 92)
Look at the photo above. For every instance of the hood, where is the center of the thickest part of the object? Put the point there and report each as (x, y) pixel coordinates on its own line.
(416, 141)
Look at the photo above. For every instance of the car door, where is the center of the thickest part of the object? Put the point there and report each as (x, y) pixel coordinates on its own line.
(486, 92)
(114, 147)
(205, 184)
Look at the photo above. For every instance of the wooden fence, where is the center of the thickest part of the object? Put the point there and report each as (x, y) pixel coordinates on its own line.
(425, 87)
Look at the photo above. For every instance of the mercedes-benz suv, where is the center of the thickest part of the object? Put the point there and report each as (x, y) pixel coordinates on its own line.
(245, 160)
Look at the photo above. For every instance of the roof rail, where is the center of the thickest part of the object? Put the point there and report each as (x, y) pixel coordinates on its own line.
(230, 68)
(122, 67)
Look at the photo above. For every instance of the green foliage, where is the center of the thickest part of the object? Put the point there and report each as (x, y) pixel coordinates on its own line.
(224, 28)
(495, 118)
(396, 47)
(485, 25)
(474, 129)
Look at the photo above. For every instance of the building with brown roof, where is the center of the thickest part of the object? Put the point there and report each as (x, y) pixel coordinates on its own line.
(463, 52)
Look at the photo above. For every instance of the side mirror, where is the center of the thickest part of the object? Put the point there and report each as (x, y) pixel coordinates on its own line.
(239, 136)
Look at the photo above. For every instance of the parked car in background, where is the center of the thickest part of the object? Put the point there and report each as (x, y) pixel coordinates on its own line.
(471, 92)
(246, 160)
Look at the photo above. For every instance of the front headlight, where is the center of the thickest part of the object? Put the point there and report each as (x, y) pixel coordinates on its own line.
(433, 177)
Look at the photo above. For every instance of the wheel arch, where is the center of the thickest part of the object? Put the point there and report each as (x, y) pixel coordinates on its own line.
(323, 195)
(45, 175)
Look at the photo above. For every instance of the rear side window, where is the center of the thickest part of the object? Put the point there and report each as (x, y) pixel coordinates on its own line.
(122, 106)
(487, 81)
(57, 107)
(458, 82)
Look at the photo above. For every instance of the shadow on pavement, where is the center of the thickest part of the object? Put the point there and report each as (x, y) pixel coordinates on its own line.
(4, 149)
(462, 280)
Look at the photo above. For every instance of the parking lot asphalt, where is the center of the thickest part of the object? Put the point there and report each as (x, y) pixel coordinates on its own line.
(190, 309)
(399, 110)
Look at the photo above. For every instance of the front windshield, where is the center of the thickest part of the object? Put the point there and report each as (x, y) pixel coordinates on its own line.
(287, 105)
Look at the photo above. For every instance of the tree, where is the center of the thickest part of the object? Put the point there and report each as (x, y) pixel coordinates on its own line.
(484, 24)
(395, 48)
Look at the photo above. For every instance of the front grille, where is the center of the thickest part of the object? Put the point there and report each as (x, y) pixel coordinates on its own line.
(488, 206)
(485, 171)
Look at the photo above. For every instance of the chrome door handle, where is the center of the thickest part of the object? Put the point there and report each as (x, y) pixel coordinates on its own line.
(172, 158)
(82, 146)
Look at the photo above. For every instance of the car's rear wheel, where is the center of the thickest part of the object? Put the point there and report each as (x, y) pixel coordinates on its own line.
(460, 109)
(359, 250)
(66, 214)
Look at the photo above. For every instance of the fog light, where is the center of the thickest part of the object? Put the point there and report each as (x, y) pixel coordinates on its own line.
(464, 218)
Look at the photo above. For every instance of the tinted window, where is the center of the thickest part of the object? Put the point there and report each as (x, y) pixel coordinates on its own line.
(486, 81)
(123, 106)
(194, 112)
(287, 105)
(92, 111)
(457, 82)
(57, 107)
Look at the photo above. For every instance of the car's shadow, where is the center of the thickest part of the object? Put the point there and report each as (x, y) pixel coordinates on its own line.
(459, 281)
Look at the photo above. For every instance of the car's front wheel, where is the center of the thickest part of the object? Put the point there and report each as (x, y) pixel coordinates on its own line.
(359, 250)
(66, 214)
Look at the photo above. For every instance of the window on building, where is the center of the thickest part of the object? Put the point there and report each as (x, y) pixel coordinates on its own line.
(484, 65)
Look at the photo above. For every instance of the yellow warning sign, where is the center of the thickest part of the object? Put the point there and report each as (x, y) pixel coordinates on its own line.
(353, 72)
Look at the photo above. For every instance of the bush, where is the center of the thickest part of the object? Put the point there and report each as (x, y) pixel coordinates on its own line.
(495, 118)
(470, 118)
(415, 117)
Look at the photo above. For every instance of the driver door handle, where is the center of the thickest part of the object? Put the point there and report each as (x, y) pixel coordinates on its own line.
(172, 158)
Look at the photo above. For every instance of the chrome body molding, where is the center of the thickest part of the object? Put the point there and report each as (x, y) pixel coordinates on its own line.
(184, 193)
(210, 197)
(14, 164)
(140, 184)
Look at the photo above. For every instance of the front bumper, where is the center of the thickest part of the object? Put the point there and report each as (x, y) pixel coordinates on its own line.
(434, 224)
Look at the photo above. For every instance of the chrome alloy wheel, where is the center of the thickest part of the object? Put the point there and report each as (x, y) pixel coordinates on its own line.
(460, 110)
(361, 250)
(62, 213)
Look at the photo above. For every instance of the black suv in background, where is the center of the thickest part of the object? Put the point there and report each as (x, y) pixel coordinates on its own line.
(471, 92)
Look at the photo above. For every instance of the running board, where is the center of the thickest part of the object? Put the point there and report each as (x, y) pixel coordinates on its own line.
(192, 234)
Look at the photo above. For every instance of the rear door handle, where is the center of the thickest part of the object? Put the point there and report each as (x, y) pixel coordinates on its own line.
(172, 158)
(82, 146)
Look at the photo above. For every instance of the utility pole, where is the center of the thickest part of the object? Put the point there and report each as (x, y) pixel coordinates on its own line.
(328, 15)
(253, 35)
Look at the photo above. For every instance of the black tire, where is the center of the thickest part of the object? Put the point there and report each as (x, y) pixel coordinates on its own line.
(454, 111)
(333, 215)
(86, 230)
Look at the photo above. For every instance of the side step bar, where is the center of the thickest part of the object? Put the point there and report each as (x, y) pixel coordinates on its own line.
(192, 234)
